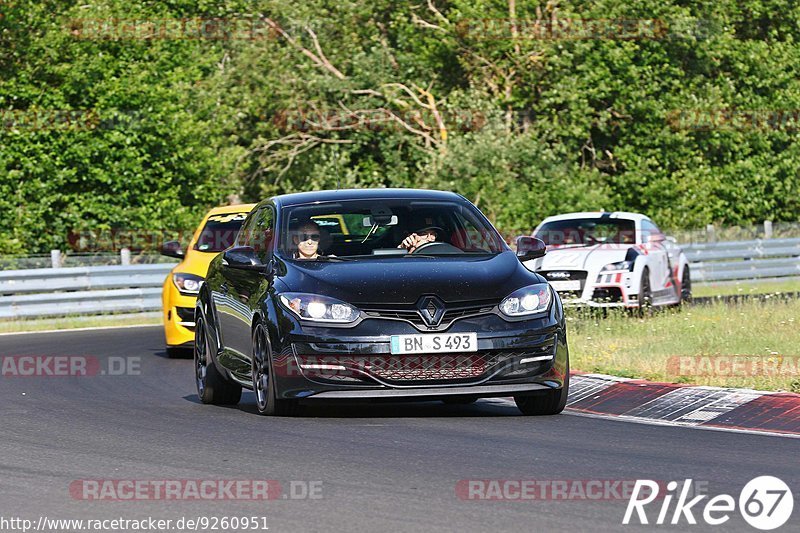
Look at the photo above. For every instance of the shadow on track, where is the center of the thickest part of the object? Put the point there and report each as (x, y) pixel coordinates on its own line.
(382, 409)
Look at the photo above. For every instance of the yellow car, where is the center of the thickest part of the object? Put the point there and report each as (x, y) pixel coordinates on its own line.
(215, 233)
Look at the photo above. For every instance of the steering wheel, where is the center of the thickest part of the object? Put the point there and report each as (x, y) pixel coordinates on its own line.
(441, 247)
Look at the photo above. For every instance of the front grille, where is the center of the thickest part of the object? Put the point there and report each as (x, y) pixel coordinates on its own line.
(427, 368)
(422, 368)
(607, 294)
(452, 312)
(564, 275)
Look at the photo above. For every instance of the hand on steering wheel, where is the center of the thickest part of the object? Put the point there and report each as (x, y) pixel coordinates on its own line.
(414, 241)
(427, 245)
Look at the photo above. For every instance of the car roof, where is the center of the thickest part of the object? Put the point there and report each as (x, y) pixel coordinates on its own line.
(638, 217)
(238, 208)
(362, 194)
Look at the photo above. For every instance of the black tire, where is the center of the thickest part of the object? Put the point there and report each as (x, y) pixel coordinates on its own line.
(212, 387)
(645, 295)
(261, 372)
(550, 403)
(686, 286)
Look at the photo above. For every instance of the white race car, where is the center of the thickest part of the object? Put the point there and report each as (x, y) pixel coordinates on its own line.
(611, 260)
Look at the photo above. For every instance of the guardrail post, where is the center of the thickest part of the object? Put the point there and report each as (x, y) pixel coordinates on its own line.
(710, 233)
(55, 258)
(767, 229)
(125, 257)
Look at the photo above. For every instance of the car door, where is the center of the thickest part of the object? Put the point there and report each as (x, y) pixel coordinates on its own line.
(225, 302)
(243, 290)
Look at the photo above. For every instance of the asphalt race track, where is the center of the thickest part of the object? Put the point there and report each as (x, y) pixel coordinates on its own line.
(382, 466)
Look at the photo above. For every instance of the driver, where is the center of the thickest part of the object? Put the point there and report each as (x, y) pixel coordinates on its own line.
(420, 237)
(306, 239)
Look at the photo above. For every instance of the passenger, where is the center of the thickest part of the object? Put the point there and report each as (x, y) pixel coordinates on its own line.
(420, 237)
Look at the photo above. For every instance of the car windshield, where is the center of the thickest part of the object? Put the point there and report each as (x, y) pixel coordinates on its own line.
(386, 228)
(220, 231)
(587, 232)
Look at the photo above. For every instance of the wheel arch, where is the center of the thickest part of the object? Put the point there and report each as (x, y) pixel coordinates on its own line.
(267, 315)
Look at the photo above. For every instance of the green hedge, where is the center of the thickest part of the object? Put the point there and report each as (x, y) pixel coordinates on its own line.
(687, 113)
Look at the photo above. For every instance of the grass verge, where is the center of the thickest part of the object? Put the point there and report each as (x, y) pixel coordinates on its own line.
(45, 324)
(745, 287)
(749, 345)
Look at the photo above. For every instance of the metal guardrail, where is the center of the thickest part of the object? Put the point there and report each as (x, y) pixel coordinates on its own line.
(44, 292)
(743, 260)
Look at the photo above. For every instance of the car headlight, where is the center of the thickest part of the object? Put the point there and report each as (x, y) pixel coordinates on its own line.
(622, 265)
(187, 283)
(527, 301)
(319, 308)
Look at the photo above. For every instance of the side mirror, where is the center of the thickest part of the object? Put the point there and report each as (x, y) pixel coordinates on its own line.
(244, 258)
(672, 239)
(173, 249)
(530, 248)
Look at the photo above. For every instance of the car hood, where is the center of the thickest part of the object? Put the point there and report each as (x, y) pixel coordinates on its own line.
(404, 280)
(584, 258)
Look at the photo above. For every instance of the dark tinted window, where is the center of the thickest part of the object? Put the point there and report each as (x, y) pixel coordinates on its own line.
(376, 227)
(257, 231)
(219, 233)
(587, 232)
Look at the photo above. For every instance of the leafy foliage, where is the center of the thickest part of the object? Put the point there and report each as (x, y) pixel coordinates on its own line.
(652, 114)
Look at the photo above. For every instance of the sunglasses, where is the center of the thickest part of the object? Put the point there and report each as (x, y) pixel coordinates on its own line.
(306, 236)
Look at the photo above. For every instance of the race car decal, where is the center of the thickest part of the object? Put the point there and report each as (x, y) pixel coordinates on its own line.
(229, 217)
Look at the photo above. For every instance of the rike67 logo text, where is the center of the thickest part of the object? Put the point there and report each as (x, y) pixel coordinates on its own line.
(765, 503)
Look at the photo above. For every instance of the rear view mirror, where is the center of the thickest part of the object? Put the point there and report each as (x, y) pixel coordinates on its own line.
(530, 248)
(382, 216)
(368, 222)
(172, 249)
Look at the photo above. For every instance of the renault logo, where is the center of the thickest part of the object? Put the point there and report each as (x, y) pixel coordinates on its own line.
(431, 309)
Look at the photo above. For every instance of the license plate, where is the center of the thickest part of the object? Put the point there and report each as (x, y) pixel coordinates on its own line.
(435, 343)
(566, 285)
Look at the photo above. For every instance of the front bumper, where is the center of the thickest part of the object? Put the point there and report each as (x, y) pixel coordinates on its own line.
(435, 392)
(601, 289)
(524, 357)
(178, 313)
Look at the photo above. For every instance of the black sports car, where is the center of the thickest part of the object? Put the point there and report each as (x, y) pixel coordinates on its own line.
(378, 294)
